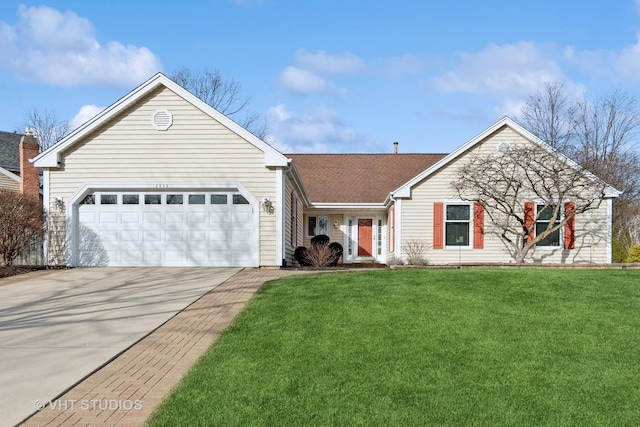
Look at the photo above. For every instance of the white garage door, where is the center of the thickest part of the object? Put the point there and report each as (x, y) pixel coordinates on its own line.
(166, 229)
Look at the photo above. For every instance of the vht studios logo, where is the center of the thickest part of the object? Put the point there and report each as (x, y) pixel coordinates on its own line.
(90, 405)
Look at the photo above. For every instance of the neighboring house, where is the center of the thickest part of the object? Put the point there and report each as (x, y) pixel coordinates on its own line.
(16, 171)
(161, 178)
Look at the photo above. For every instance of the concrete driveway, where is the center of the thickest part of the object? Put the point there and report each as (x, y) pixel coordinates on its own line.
(58, 328)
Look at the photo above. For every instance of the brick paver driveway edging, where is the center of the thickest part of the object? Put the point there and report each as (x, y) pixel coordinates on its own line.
(58, 328)
(135, 382)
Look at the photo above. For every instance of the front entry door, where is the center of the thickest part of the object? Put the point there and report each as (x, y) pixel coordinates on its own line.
(365, 237)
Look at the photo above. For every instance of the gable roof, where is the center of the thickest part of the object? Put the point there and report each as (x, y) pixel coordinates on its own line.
(357, 178)
(51, 157)
(10, 151)
(404, 191)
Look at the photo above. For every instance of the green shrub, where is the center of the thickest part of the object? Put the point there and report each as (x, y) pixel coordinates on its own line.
(634, 254)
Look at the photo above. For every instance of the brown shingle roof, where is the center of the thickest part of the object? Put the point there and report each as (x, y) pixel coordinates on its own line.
(358, 178)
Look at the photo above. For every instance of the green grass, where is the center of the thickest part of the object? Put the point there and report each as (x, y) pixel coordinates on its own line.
(424, 347)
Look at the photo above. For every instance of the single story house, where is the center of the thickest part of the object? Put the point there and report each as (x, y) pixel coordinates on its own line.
(162, 179)
(16, 171)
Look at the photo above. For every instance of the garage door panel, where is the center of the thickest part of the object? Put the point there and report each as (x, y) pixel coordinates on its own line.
(131, 258)
(150, 257)
(173, 257)
(131, 217)
(186, 234)
(174, 217)
(86, 217)
(152, 236)
(109, 236)
(152, 217)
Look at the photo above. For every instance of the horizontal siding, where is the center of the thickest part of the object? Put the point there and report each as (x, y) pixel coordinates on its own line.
(417, 221)
(7, 183)
(195, 149)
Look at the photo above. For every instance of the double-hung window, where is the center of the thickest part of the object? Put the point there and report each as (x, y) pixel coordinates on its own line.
(544, 213)
(457, 224)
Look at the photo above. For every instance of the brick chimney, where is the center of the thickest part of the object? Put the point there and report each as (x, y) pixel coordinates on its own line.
(395, 147)
(29, 175)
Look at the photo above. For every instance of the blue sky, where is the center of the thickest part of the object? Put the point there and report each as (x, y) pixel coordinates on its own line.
(327, 76)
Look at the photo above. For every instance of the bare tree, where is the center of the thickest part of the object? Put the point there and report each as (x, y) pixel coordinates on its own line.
(45, 126)
(600, 135)
(606, 132)
(549, 114)
(223, 95)
(21, 221)
(503, 182)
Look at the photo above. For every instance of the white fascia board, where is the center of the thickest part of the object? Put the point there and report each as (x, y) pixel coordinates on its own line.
(51, 157)
(10, 175)
(347, 206)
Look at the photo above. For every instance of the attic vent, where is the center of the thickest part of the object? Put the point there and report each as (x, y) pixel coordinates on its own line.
(161, 120)
(504, 148)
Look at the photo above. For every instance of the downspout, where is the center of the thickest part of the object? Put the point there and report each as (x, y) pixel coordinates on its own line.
(280, 212)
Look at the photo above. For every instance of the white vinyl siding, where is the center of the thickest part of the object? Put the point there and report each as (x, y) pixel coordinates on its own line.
(417, 220)
(7, 183)
(195, 149)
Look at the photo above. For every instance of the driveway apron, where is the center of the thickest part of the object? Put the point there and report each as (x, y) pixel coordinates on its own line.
(58, 328)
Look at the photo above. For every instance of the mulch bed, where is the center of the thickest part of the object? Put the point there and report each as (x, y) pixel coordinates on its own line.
(15, 270)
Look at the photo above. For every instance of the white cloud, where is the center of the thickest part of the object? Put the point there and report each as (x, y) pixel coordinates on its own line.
(325, 64)
(619, 66)
(60, 48)
(318, 129)
(86, 112)
(308, 74)
(296, 80)
(506, 70)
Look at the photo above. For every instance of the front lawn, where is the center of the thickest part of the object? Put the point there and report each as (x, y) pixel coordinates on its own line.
(425, 347)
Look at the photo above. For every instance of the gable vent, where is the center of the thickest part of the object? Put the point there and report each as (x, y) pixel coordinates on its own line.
(161, 120)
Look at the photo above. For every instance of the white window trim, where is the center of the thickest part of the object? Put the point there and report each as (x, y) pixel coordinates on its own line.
(471, 224)
(560, 230)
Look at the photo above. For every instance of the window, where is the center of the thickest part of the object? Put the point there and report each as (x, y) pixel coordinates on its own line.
(457, 224)
(379, 237)
(196, 199)
(152, 199)
(238, 199)
(174, 199)
(218, 199)
(544, 213)
(130, 199)
(317, 225)
(89, 200)
(108, 199)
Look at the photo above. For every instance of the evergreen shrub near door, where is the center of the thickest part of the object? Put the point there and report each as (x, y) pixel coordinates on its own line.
(424, 347)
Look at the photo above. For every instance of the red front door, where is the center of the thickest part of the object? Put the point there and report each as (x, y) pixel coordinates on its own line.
(365, 237)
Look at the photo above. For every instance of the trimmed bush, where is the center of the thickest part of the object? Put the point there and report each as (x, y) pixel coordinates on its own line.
(336, 253)
(300, 256)
(321, 239)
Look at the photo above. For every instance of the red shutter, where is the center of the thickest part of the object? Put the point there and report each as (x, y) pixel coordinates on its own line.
(478, 226)
(569, 226)
(438, 225)
(529, 218)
